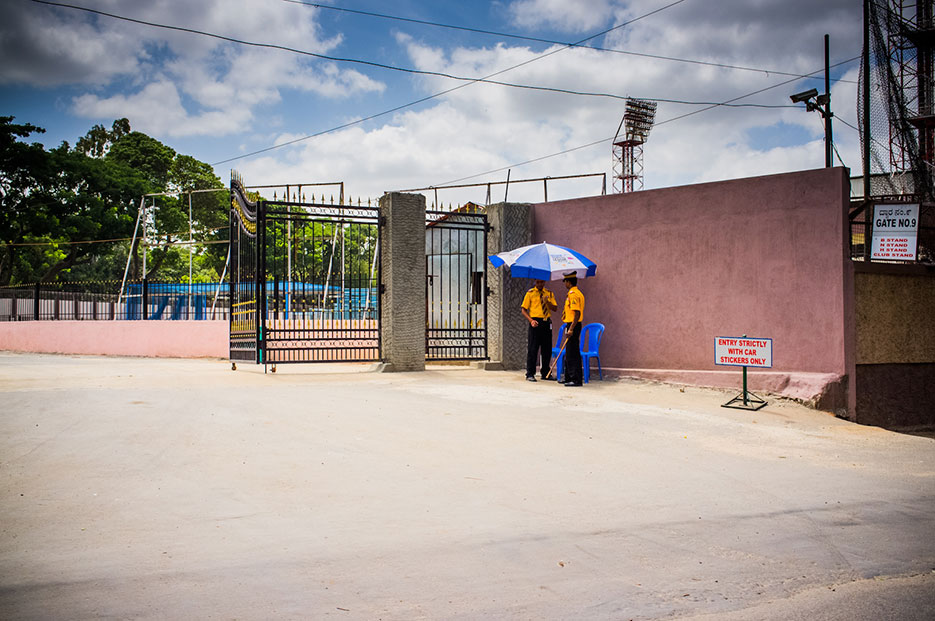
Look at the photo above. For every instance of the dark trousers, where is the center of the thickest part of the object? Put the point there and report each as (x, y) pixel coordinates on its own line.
(573, 369)
(539, 346)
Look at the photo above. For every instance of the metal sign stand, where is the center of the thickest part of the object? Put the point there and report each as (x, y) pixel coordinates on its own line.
(749, 400)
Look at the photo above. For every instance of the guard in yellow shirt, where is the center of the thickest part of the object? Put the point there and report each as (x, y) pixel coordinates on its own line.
(572, 316)
(538, 305)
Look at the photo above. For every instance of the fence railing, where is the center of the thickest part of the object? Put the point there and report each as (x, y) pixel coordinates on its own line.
(109, 300)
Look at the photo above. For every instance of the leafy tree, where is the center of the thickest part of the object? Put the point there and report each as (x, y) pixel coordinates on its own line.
(55, 206)
(97, 142)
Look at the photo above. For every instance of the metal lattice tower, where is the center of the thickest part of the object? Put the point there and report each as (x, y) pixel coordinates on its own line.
(911, 56)
(636, 123)
(899, 106)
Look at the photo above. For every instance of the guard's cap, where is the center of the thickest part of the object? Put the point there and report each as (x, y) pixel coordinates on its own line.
(571, 274)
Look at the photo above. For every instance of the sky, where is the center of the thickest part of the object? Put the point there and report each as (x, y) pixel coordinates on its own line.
(287, 91)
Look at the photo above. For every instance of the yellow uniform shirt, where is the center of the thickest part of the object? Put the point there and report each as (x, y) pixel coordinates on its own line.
(574, 302)
(532, 302)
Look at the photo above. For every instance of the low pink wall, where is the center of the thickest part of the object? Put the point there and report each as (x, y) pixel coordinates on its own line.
(161, 339)
(765, 257)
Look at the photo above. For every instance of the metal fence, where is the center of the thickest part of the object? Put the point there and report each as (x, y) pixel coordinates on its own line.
(456, 285)
(112, 300)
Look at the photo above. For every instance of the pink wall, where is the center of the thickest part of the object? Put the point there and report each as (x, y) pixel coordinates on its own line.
(765, 256)
(162, 339)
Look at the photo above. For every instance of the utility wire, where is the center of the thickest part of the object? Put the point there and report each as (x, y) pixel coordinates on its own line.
(670, 120)
(551, 41)
(119, 239)
(468, 81)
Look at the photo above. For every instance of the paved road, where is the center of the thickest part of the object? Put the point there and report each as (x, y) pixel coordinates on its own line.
(179, 489)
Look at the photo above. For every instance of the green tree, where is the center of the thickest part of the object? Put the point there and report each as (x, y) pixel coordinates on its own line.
(97, 142)
(53, 202)
(56, 206)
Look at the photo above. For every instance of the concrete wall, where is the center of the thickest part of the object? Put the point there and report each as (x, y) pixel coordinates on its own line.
(765, 257)
(402, 261)
(510, 227)
(160, 339)
(895, 345)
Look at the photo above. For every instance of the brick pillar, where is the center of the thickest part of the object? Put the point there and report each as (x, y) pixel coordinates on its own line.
(511, 226)
(402, 262)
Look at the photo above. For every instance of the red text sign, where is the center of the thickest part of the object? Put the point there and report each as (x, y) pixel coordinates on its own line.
(741, 351)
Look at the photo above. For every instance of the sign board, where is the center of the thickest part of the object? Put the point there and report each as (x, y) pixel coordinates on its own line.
(740, 351)
(895, 230)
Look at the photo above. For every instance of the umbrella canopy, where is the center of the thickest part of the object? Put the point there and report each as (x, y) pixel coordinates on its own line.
(544, 262)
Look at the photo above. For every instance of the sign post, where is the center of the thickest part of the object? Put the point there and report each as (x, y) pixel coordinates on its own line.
(895, 232)
(744, 352)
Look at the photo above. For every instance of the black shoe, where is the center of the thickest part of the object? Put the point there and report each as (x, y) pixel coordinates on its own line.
(546, 378)
(573, 383)
(530, 378)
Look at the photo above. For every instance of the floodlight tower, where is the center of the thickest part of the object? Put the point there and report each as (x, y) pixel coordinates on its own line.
(911, 53)
(628, 146)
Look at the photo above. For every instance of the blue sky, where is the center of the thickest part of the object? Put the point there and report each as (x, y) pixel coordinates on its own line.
(66, 70)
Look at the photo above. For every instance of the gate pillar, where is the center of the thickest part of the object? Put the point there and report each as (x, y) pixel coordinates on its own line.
(402, 263)
(511, 226)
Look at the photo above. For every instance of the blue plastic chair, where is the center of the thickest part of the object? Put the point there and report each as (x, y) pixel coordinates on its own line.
(555, 350)
(590, 346)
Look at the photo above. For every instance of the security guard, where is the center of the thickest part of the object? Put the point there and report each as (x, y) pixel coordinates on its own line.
(538, 305)
(572, 316)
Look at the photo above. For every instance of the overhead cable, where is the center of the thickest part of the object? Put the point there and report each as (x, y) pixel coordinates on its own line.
(468, 81)
(551, 41)
(603, 140)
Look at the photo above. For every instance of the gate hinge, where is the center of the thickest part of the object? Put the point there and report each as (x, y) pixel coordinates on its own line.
(381, 221)
(382, 288)
(489, 291)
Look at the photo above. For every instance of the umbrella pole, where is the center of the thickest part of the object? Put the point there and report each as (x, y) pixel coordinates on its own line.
(559, 355)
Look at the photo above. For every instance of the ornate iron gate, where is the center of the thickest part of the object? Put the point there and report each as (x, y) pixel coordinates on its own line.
(311, 293)
(245, 277)
(456, 285)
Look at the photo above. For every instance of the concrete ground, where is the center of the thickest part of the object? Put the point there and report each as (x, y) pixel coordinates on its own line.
(179, 489)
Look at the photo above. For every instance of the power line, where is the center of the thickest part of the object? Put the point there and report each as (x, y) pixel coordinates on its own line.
(468, 80)
(551, 41)
(445, 92)
(120, 239)
(358, 61)
(603, 140)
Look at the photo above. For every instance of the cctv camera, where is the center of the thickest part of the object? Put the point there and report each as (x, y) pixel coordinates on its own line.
(804, 96)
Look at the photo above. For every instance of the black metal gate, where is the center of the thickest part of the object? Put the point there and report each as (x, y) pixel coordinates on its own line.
(456, 285)
(305, 281)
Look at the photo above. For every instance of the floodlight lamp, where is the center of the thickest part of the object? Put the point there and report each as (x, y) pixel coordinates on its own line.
(804, 96)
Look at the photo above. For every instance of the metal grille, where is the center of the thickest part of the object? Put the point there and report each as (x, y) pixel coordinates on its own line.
(456, 285)
(245, 276)
(321, 288)
(113, 300)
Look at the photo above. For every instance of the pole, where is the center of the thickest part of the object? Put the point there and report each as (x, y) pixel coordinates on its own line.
(827, 111)
(223, 273)
(866, 101)
(126, 269)
(506, 190)
(189, 255)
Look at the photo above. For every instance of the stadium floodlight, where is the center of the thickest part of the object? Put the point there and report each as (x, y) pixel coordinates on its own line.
(638, 118)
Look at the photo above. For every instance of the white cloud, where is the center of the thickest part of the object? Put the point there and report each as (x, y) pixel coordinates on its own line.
(157, 110)
(485, 127)
(186, 84)
(563, 15)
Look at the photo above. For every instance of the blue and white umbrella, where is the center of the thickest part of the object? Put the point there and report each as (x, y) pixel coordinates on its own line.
(544, 262)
